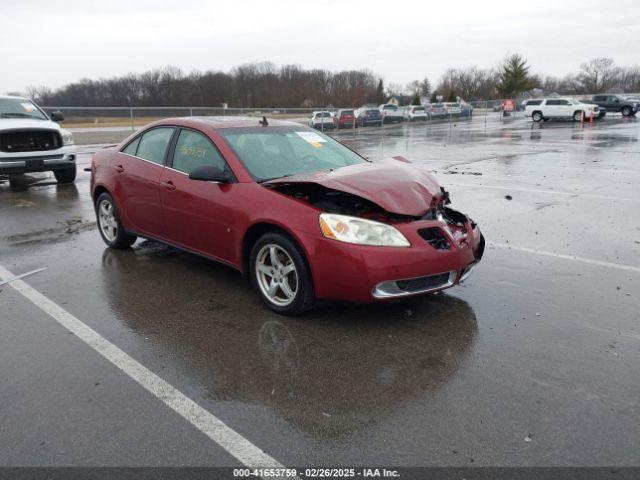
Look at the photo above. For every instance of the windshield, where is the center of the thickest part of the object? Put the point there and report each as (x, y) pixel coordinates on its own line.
(275, 152)
(323, 115)
(19, 108)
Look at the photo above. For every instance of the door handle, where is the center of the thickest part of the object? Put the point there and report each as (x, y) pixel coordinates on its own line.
(119, 169)
(169, 185)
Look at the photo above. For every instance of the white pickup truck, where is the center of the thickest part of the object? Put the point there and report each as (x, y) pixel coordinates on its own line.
(553, 108)
(32, 141)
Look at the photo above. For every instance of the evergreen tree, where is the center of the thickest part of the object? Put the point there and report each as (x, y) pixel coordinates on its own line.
(514, 77)
(380, 92)
(425, 87)
(415, 100)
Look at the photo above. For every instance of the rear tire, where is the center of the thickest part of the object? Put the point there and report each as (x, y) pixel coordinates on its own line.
(626, 111)
(291, 292)
(109, 225)
(68, 175)
(537, 117)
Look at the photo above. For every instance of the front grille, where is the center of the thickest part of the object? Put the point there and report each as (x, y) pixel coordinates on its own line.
(29, 141)
(423, 283)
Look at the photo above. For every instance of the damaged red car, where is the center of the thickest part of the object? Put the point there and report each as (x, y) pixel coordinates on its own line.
(304, 216)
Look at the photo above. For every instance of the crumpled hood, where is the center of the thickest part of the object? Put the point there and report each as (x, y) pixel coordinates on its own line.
(28, 124)
(397, 187)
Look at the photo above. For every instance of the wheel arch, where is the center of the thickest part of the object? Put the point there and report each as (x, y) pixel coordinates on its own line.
(257, 230)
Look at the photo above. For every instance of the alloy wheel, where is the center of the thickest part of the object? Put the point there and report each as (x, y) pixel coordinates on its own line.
(277, 275)
(107, 220)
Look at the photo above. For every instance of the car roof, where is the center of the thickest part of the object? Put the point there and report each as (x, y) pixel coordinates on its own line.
(222, 122)
(14, 97)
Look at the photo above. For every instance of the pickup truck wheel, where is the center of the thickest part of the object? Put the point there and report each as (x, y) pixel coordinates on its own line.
(68, 175)
(578, 116)
(109, 225)
(626, 111)
(537, 116)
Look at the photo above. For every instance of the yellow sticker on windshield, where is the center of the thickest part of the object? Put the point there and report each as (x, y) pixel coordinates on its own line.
(316, 144)
(28, 106)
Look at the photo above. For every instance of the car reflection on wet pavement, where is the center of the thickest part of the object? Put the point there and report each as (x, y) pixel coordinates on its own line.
(330, 373)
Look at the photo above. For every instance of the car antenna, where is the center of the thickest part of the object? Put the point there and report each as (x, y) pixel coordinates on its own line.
(264, 122)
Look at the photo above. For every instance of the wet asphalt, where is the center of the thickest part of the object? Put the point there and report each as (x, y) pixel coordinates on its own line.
(534, 361)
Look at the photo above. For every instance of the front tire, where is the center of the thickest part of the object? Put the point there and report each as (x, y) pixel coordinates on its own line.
(578, 116)
(626, 111)
(537, 116)
(109, 225)
(280, 275)
(68, 175)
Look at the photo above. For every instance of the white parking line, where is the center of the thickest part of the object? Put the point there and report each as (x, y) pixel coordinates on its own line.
(214, 428)
(600, 263)
(548, 192)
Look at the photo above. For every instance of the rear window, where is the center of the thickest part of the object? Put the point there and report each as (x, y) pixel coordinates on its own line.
(323, 115)
(346, 112)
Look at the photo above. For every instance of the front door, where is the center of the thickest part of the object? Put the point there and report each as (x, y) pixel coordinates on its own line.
(198, 215)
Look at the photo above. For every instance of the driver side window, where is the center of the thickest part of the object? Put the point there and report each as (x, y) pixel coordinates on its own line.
(193, 150)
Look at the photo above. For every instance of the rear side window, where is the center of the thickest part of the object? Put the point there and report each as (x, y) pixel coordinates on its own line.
(132, 148)
(153, 144)
(193, 150)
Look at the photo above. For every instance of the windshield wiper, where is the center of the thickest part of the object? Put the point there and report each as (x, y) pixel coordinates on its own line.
(18, 115)
(276, 178)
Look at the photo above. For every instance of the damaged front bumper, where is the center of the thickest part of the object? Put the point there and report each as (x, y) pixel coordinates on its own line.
(364, 273)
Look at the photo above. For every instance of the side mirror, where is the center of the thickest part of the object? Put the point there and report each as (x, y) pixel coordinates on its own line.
(210, 173)
(57, 116)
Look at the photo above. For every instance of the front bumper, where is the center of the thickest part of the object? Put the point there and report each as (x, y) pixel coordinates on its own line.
(358, 273)
(28, 162)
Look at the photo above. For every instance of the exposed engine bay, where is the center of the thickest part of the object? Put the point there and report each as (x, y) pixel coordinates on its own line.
(343, 203)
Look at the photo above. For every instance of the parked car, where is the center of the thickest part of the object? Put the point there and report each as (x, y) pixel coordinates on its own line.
(391, 113)
(616, 103)
(32, 141)
(435, 110)
(322, 120)
(416, 112)
(368, 115)
(304, 216)
(453, 109)
(345, 118)
(466, 109)
(555, 108)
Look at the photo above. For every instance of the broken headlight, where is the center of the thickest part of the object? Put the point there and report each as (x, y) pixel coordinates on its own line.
(360, 231)
(67, 137)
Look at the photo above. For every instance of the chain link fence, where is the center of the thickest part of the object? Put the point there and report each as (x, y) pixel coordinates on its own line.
(132, 118)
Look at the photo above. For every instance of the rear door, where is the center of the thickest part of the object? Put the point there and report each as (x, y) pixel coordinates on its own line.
(198, 215)
(138, 170)
(553, 108)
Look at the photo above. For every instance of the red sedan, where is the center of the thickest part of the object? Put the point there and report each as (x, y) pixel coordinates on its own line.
(304, 216)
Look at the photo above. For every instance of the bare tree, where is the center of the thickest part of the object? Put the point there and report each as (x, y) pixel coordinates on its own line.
(598, 75)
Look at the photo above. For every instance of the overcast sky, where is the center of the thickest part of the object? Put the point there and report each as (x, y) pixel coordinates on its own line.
(56, 42)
